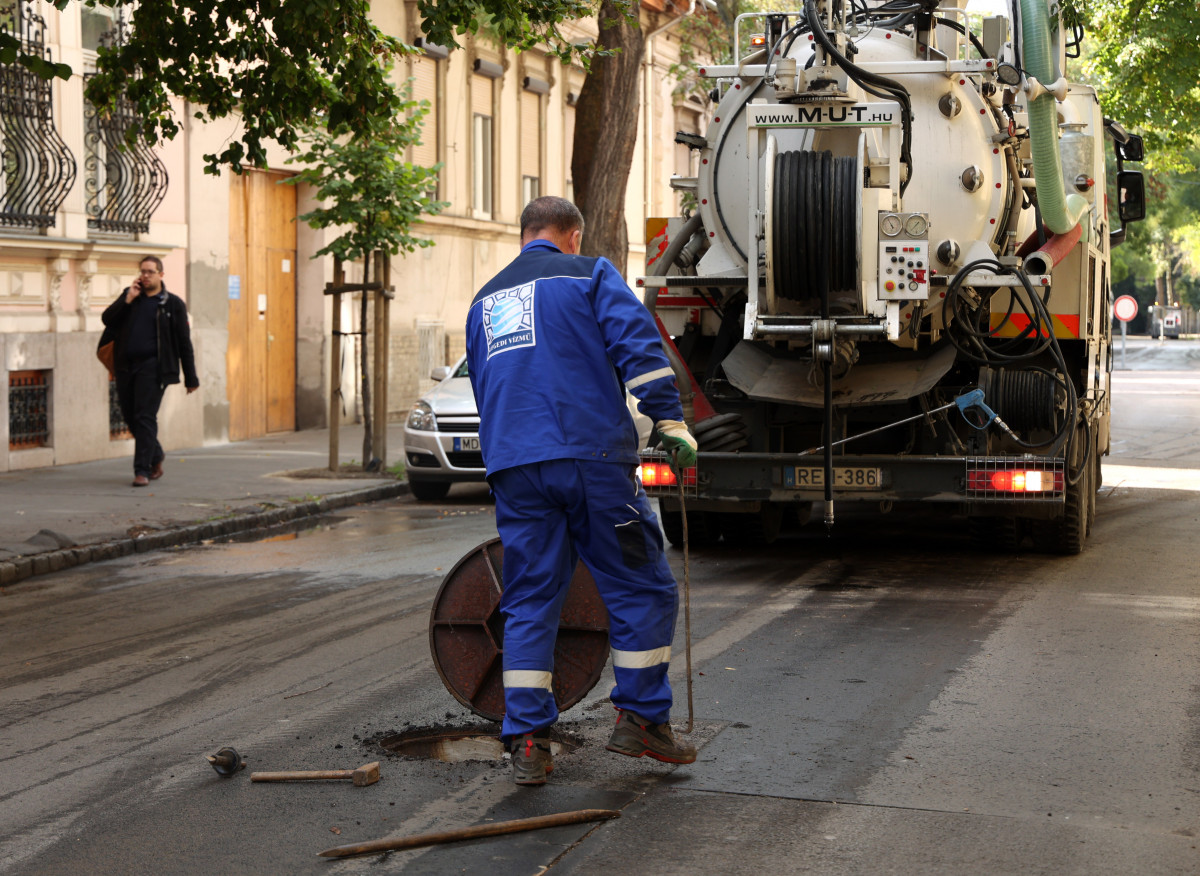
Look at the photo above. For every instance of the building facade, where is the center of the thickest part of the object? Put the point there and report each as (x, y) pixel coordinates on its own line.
(77, 213)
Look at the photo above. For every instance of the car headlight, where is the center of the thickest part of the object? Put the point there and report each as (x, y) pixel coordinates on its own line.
(421, 418)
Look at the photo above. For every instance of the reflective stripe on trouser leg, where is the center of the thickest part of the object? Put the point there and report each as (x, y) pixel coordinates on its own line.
(618, 537)
(538, 562)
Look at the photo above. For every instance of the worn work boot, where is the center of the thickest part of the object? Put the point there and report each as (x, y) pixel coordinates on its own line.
(531, 758)
(637, 737)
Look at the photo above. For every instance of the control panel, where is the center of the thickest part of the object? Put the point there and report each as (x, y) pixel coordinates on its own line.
(904, 258)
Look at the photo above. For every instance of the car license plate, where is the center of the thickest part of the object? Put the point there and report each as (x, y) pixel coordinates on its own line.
(466, 443)
(844, 478)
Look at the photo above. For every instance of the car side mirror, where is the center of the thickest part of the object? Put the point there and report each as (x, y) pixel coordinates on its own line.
(440, 373)
(1131, 196)
(1132, 149)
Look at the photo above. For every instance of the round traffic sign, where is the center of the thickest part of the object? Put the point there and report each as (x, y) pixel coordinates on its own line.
(1125, 308)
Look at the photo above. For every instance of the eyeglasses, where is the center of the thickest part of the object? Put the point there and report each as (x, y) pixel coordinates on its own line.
(148, 273)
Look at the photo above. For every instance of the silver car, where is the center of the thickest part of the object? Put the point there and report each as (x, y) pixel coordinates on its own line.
(441, 436)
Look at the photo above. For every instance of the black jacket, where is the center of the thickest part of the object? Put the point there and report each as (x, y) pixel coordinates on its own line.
(174, 338)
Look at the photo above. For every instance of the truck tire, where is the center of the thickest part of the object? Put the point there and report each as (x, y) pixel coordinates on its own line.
(1068, 534)
(703, 527)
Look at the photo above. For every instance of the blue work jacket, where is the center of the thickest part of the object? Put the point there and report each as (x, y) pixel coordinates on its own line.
(553, 341)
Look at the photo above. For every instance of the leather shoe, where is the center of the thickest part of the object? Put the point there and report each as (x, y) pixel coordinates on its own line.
(157, 471)
(141, 481)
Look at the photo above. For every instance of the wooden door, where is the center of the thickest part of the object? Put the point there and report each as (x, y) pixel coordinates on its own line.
(261, 357)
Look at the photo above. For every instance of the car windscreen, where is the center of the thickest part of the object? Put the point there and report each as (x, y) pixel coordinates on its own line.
(461, 370)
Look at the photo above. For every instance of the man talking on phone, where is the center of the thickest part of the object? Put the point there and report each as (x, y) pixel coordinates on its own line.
(151, 341)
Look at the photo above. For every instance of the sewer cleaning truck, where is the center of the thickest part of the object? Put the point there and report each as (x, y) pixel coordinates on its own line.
(893, 283)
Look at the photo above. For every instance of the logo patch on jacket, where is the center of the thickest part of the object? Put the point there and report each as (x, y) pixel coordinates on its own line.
(508, 319)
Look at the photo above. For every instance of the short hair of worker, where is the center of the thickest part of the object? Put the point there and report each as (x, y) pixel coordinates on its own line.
(550, 212)
(157, 262)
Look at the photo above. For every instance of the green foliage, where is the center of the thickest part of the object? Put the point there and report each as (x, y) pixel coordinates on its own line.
(365, 186)
(1143, 58)
(517, 24)
(11, 51)
(275, 63)
(1164, 248)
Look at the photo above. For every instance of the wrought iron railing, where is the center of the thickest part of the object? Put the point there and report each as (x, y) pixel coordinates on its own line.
(117, 427)
(37, 169)
(28, 409)
(124, 181)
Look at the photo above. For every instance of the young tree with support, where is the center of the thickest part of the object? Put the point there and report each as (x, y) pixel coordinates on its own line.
(374, 197)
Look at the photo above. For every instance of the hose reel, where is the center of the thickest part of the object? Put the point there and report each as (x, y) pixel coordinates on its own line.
(1027, 399)
(813, 228)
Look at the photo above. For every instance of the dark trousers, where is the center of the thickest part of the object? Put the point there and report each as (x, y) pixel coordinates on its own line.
(139, 394)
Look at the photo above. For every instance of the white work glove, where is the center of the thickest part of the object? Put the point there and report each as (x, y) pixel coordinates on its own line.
(678, 442)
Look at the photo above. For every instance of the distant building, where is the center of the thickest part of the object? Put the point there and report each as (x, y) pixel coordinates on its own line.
(76, 214)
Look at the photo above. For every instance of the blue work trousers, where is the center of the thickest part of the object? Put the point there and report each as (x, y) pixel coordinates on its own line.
(549, 515)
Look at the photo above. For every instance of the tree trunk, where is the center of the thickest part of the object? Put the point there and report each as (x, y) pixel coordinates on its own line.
(606, 126)
(368, 451)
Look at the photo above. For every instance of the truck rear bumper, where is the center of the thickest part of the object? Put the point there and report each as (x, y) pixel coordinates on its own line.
(994, 482)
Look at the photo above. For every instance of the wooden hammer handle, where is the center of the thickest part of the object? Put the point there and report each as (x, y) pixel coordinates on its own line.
(301, 775)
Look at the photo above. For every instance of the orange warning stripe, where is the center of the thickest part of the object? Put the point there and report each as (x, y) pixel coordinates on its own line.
(1066, 325)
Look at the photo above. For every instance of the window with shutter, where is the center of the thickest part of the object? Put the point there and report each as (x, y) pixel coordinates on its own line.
(425, 88)
(531, 145)
(481, 145)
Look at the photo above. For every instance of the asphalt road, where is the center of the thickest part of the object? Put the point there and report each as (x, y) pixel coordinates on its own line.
(891, 699)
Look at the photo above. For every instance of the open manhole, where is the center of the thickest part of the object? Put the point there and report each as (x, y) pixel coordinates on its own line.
(458, 744)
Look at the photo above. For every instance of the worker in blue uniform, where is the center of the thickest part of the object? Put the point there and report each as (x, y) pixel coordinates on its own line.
(553, 342)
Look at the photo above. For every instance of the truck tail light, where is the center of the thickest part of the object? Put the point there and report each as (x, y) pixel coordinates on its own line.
(1015, 481)
(660, 474)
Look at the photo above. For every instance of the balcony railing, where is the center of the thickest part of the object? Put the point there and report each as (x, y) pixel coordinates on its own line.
(37, 169)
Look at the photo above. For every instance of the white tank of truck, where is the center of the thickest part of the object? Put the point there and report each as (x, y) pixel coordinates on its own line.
(893, 283)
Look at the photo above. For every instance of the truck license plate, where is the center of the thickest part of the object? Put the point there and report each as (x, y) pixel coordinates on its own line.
(466, 443)
(846, 478)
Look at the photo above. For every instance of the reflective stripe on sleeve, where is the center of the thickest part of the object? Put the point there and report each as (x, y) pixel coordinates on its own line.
(647, 377)
(640, 659)
(527, 678)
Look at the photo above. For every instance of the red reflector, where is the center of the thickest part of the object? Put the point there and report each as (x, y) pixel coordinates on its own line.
(1016, 481)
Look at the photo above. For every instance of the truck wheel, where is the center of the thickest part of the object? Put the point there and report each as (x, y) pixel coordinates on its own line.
(703, 527)
(1067, 535)
(429, 491)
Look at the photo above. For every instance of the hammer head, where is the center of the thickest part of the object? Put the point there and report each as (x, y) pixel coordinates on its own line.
(367, 774)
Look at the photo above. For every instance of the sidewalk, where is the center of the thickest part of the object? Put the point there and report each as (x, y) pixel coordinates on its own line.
(57, 517)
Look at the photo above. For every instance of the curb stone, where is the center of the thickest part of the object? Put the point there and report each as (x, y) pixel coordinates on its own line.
(20, 568)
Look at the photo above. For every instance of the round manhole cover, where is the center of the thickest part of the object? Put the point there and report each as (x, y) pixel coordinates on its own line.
(466, 634)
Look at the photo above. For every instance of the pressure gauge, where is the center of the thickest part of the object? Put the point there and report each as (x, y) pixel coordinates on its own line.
(916, 225)
(890, 224)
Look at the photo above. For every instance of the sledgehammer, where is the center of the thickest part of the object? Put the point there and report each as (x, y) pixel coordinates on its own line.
(367, 774)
